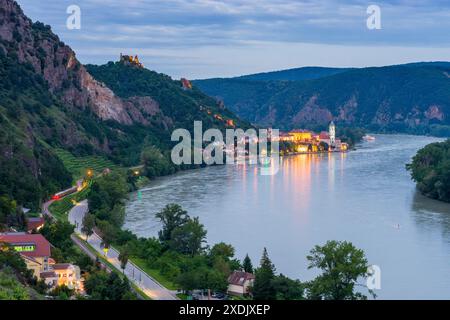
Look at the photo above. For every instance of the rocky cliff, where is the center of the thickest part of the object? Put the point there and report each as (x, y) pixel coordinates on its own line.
(34, 43)
(49, 101)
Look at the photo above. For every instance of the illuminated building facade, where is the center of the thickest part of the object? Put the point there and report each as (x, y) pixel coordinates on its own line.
(307, 141)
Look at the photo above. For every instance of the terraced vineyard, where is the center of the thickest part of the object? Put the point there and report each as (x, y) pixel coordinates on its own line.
(78, 166)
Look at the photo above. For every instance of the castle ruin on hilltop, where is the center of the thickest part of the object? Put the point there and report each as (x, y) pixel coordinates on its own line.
(130, 60)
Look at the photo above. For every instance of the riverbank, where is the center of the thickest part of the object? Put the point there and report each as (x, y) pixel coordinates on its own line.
(430, 169)
(361, 196)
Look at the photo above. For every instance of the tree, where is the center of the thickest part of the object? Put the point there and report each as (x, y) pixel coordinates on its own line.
(188, 238)
(58, 234)
(155, 163)
(10, 213)
(103, 286)
(117, 215)
(190, 280)
(220, 257)
(263, 288)
(7, 206)
(62, 292)
(216, 280)
(123, 258)
(342, 265)
(107, 196)
(10, 258)
(108, 233)
(171, 217)
(288, 289)
(88, 225)
(222, 250)
(430, 168)
(247, 264)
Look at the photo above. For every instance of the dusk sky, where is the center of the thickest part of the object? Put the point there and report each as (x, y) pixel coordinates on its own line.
(206, 38)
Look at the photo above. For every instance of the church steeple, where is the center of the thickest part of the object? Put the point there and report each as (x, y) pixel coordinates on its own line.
(332, 132)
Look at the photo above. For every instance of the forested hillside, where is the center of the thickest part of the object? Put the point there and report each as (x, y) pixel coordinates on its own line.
(50, 105)
(407, 98)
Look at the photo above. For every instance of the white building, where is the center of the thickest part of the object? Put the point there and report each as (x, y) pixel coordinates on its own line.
(239, 283)
(332, 132)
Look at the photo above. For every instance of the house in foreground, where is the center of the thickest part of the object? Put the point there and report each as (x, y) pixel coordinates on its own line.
(68, 275)
(35, 250)
(239, 283)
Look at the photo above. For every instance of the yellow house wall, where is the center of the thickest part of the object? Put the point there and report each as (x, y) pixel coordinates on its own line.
(302, 136)
(35, 267)
(67, 277)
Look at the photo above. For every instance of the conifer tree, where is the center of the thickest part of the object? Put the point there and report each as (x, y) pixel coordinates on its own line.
(247, 264)
(263, 288)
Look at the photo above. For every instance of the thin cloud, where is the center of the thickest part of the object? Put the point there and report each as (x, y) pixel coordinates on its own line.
(230, 29)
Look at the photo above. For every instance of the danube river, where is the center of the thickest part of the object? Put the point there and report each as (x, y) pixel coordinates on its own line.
(365, 196)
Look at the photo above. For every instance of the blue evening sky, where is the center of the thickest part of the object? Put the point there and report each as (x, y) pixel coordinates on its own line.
(209, 38)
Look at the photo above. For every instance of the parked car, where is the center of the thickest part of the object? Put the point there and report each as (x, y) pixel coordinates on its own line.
(219, 295)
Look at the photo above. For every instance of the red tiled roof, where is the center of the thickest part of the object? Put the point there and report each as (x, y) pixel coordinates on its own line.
(324, 135)
(34, 223)
(42, 246)
(61, 266)
(238, 278)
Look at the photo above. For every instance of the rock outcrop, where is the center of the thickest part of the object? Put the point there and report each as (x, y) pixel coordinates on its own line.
(34, 43)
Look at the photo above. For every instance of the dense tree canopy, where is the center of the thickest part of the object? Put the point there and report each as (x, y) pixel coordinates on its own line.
(430, 168)
(104, 286)
(342, 265)
(171, 217)
(188, 238)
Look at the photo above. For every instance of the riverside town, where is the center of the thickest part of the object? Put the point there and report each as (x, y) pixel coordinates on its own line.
(224, 159)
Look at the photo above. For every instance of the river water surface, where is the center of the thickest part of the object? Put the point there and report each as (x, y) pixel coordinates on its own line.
(365, 196)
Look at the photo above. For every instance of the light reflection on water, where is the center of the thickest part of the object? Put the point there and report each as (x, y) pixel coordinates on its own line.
(362, 196)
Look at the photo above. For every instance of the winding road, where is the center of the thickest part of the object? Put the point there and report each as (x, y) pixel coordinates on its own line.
(137, 276)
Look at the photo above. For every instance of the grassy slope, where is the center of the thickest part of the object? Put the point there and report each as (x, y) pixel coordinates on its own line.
(155, 274)
(12, 289)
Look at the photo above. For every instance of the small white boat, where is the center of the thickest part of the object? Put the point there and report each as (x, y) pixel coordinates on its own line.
(369, 138)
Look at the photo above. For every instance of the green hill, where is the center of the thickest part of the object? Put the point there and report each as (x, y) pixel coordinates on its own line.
(406, 98)
(56, 119)
(182, 106)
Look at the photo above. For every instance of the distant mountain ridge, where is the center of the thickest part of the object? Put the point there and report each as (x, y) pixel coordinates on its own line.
(399, 98)
(297, 74)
